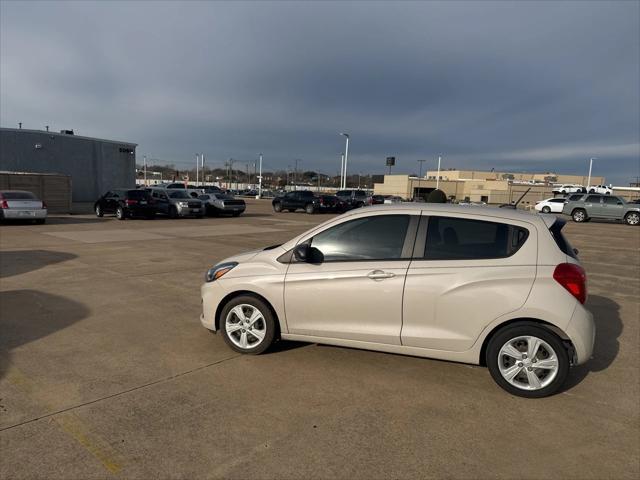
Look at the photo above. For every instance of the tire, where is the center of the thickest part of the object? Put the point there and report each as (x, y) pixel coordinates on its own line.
(277, 207)
(514, 368)
(121, 214)
(99, 212)
(546, 210)
(232, 329)
(173, 212)
(592, 191)
(41, 221)
(310, 209)
(236, 214)
(632, 218)
(607, 193)
(579, 215)
(564, 192)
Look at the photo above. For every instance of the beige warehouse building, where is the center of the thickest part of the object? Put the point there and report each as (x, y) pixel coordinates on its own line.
(480, 186)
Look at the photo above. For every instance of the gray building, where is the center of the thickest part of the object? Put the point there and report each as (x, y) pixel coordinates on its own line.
(95, 165)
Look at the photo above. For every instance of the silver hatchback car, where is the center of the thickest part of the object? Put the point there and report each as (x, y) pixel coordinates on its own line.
(487, 286)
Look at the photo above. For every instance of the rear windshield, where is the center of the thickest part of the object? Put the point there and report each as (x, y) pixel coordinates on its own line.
(179, 194)
(137, 194)
(561, 240)
(18, 196)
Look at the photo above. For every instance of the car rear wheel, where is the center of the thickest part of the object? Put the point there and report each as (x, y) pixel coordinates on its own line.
(99, 212)
(579, 215)
(632, 218)
(277, 207)
(527, 360)
(310, 209)
(120, 214)
(247, 325)
(546, 210)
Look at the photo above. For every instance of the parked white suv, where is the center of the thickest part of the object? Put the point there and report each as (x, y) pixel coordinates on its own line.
(497, 287)
(568, 188)
(602, 189)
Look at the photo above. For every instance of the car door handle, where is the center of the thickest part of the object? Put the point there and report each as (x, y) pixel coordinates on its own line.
(379, 275)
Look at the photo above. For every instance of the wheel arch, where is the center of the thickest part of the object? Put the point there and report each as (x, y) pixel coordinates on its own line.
(541, 323)
(239, 293)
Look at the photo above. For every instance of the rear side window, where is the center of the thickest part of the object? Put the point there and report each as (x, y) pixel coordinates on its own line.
(450, 238)
(137, 194)
(593, 199)
(378, 237)
(611, 200)
(561, 240)
(575, 198)
(18, 196)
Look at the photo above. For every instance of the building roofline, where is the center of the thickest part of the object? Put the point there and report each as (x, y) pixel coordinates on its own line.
(66, 135)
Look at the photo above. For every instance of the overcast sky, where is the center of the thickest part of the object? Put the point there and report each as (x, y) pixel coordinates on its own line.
(514, 86)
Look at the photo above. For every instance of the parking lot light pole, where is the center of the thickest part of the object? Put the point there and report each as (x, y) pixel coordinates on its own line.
(346, 158)
(341, 169)
(145, 170)
(260, 179)
(590, 166)
(438, 177)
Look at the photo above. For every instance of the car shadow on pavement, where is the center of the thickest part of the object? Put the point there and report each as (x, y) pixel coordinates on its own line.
(17, 262)
(29, 315)
(284, 345)
(606, 315)
(74, 219)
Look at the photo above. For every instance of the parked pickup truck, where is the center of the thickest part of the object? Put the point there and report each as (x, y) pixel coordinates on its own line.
(602, 206)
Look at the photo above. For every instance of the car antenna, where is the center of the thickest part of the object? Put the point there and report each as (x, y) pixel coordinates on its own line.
(515, 205)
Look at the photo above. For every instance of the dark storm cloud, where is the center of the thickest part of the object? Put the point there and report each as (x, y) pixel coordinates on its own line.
(540, 85)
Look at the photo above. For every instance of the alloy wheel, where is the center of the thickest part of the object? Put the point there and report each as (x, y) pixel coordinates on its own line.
(633, 218)
(245, 326)
(528, 362)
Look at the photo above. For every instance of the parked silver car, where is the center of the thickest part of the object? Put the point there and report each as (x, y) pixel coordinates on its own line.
(21, 205)
(176, 203)
(222, 203)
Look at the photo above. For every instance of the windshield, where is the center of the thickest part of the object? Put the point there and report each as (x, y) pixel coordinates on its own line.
(179, 194)
(18, 196)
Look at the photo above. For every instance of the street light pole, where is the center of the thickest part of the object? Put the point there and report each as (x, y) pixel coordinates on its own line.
(145, 170)
(260, 179)
(438, 177)
(197, 168)
(341, 169)
(346, 158)
(590, 166)
(421, 162)
(204, 182)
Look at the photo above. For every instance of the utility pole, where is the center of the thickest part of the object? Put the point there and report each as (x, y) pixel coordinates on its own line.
(346, 157)
(341, 169)
(197, 168)
(204, 181)
(421, 162)
(438, 177)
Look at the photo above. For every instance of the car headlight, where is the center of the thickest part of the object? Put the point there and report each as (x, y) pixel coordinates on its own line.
(219, 270)
(183, 204)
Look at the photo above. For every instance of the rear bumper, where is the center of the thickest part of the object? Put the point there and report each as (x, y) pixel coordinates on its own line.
(582, 333)
(23, 214)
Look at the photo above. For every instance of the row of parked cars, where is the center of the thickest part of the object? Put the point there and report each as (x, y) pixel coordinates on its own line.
(568, 188)
(168, 200)
(341, 202)
(582, 207)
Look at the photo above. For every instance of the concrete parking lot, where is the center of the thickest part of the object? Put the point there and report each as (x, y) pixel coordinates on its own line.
(106, 372)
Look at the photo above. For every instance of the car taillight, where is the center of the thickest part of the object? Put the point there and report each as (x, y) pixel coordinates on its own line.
(131, 202)
(573, 278)
(44, 205)
(4, 204)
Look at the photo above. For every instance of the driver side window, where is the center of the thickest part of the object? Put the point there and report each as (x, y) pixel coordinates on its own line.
(379, 237)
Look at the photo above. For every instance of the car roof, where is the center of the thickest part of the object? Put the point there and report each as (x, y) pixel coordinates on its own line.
(489, 211)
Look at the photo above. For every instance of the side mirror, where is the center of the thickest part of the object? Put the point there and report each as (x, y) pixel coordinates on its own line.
(307, 254)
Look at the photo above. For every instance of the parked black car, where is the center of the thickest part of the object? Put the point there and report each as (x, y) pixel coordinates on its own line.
(377, 199)
(331, 204)
(125, 203)
(354, 198)
(292, 201)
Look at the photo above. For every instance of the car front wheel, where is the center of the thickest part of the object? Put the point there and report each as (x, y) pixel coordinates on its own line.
(277, 207)
(527, 360)
(248, 325)
(579, 215)
(120, 214)
(632, 218)
(546, 210)
(310, 209)
(99, 212)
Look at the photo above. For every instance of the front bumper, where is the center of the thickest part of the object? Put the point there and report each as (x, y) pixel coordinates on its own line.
(582, 333)
(212, 294)
(186, 211)
(24, 214)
